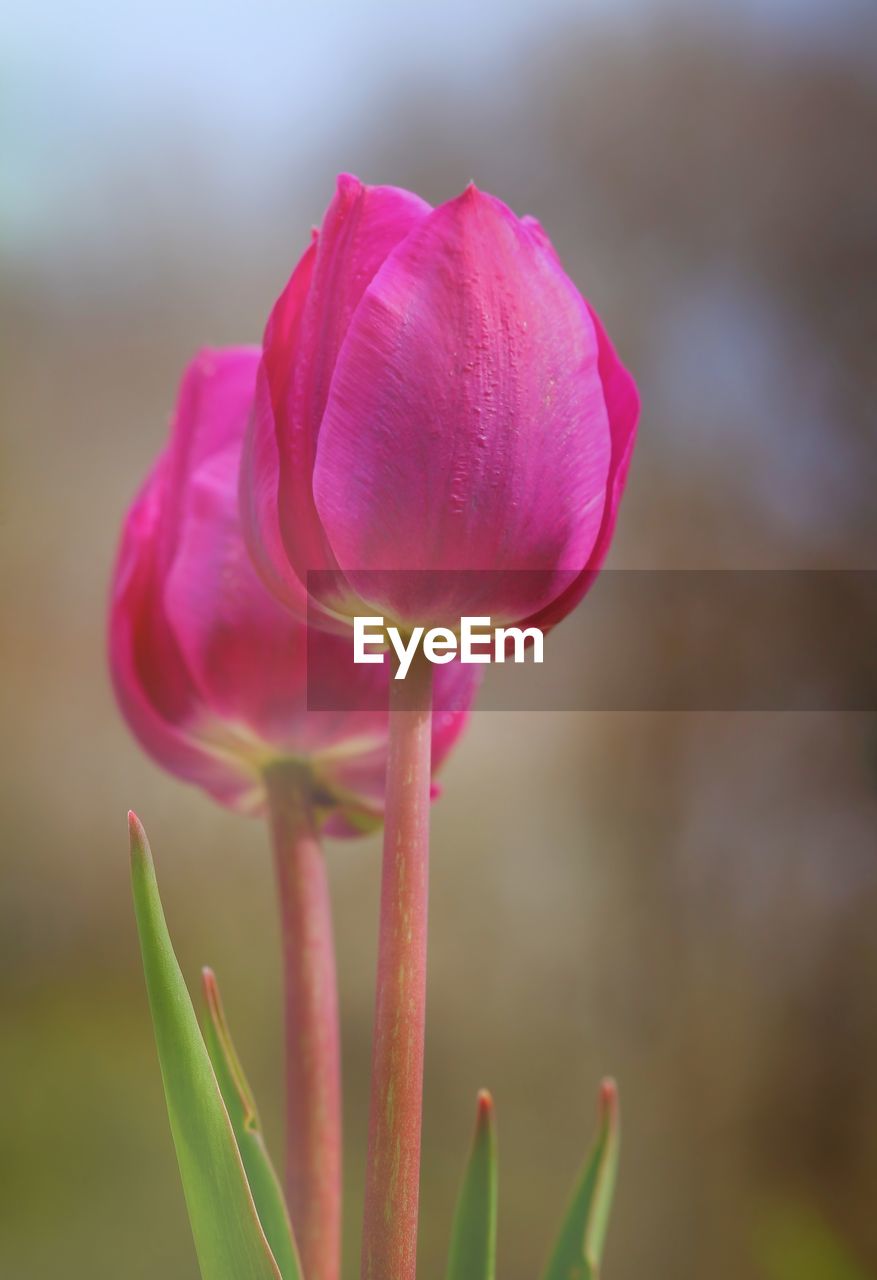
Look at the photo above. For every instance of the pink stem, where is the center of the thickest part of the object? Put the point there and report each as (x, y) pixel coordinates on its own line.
(389, 1245)
(313, 1073)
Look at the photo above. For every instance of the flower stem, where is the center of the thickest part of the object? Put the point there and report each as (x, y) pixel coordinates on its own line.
(313, 1074)
(389, 1244)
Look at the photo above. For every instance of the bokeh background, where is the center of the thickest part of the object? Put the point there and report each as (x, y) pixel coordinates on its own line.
(687, 901)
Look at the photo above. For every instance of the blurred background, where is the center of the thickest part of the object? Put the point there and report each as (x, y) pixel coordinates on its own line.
(686, 901)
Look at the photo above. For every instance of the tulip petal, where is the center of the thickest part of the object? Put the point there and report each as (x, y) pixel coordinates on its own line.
(260, 471)
(152, 679)
(465, 426)
(213, 404)
(361, 226)
(149, 675)
(245, 652)
(155, 679)
(250, 659)
(623, 407)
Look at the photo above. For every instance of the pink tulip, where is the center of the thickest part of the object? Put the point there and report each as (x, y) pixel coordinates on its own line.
(435, 395)
(209, 670)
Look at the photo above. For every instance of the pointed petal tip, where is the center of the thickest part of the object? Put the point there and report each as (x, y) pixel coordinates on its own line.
(204, 360)
(475, 203)
(469, 195)
(465, 201)
(485, 1105)
(537, 231)
(348, 186)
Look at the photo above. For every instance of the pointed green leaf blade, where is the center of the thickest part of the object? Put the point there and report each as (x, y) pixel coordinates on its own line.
(579, 1247)
(229, 1239)
(473, 1240)
(241, 1107)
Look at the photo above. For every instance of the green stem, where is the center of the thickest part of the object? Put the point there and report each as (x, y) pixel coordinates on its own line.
(389, 1244)
(313, 1074)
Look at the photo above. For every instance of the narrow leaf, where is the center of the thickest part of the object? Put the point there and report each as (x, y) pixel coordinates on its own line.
(229, 1239)
(241, 1107)
(473, 1240)
(579, 1247)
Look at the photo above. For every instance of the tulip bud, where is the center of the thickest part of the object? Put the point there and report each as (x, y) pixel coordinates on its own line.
(210, 672)
(435, 398)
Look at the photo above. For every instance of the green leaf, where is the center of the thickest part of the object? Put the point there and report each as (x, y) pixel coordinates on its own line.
(241, 1107)
(579, 1246)
(229, 1239)
(473, 1240)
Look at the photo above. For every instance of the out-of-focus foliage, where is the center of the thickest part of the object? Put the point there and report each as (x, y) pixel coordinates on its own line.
(794, 1243)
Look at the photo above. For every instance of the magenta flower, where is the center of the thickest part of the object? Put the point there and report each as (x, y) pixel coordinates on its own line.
(209, 670)
(435, 394)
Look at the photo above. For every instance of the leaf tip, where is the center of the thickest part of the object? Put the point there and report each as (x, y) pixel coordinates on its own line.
(485, 1109)
(608, 1101)
(209, 987)
(137, 837)
(215, 1011)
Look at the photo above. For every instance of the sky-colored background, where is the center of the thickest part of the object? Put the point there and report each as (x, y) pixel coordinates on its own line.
(687, 901)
